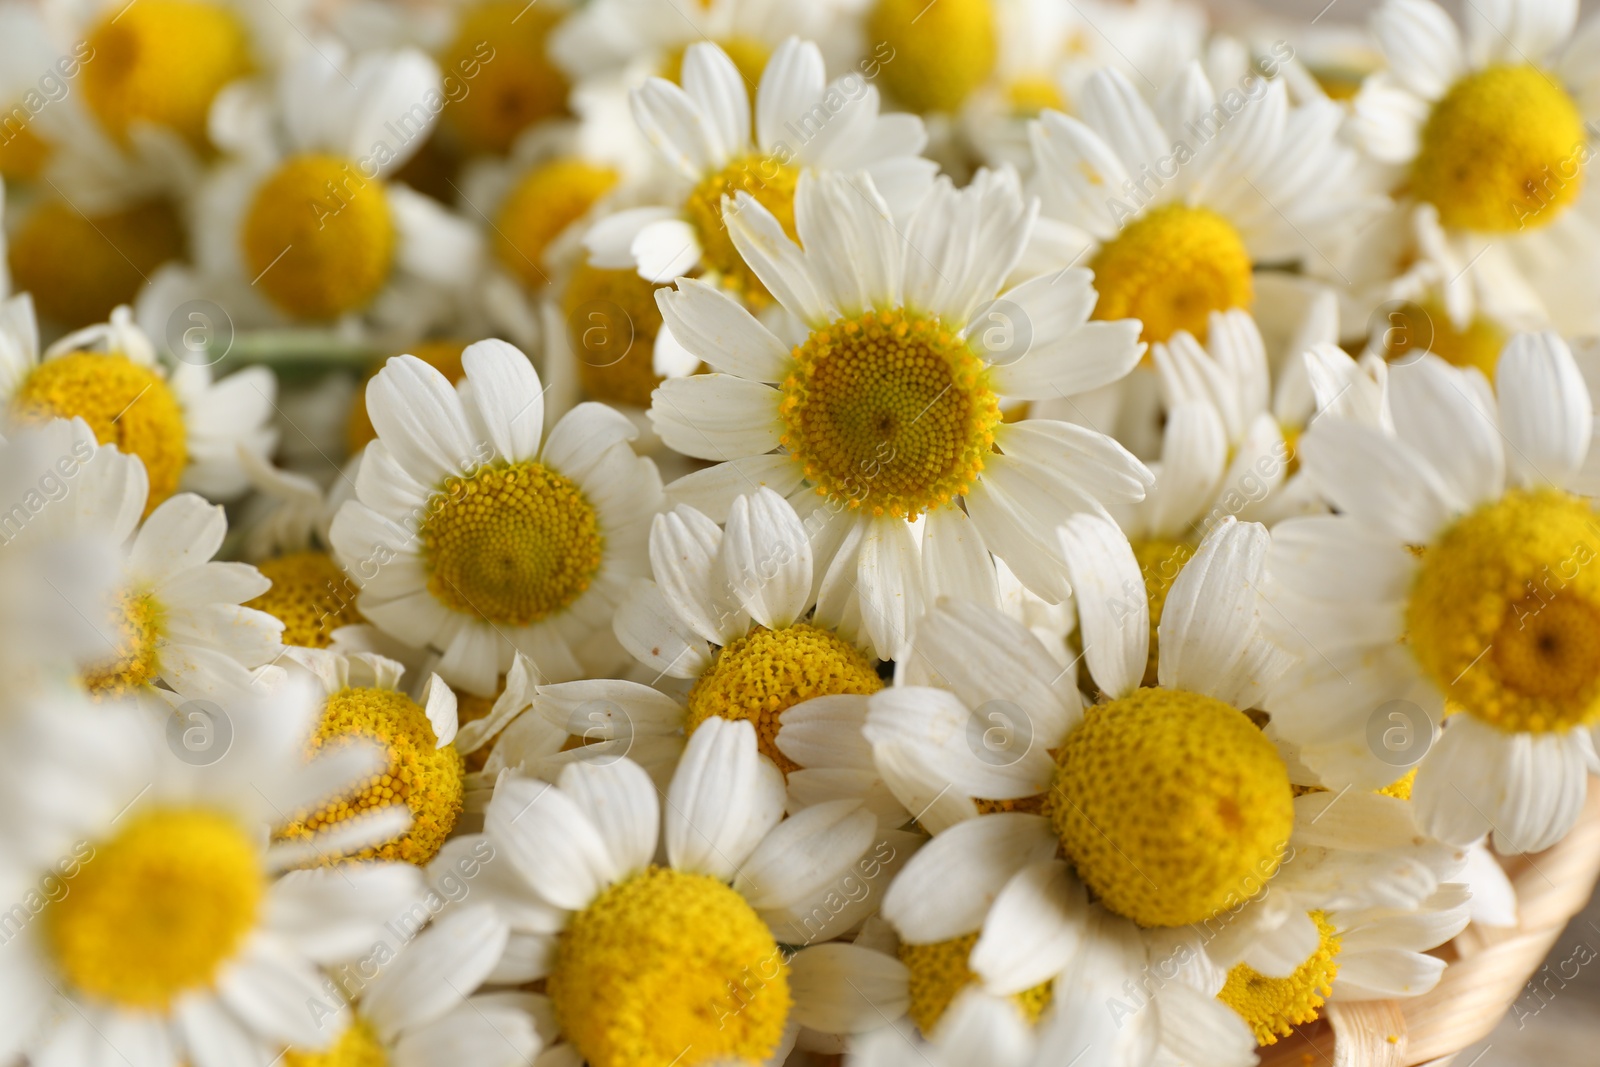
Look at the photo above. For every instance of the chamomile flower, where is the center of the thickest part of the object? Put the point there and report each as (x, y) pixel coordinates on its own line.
(888, 408)
(1174, 205)
(1453, 579)
(181, 936)
(1491, 134)
(184, 427)
(687, 960)
(469, 537)
(704, 133)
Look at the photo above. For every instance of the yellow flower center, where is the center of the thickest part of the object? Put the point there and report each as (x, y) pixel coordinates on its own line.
(443, 356)
(500, 55)
(1170, 269)
(311, 595)
(771, 183)
(1503, 150)
(158, 909)
(890, 412)
(1172, 805)
(1028, 96)
(511, 544)
(1415, 328)
(766, 672)
(1275, 1006)
(125, 403)
(140, 624)
(1504, 614)
(612, 323)
(1159, 563)
(163, 61)
(547, 200)
(1400, 788)
(942, 51)
(749, 57)
(939, 971)
(418, 774)
(23, 153)
(358, 1046)
(669, 967)
(319, 239)
(79, 267)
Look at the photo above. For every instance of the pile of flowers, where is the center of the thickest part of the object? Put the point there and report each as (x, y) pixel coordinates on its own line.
(673, 532)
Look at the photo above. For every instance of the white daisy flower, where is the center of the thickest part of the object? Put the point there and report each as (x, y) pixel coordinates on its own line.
(1452, 579)
(888, 408)
(186, 428)
(978, 1027)
(704, 132)
(179, 940)
(1174, 205)
(177, 617)
(1490, 133)
(688, 960)
(471, 537)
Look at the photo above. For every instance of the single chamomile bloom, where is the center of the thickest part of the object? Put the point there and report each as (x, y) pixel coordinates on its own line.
(1490, 133)
(685, 955)
(887, 412)
(185, 428)
(1452, 580)
(182, 938)
(477, 535)
(704, 132)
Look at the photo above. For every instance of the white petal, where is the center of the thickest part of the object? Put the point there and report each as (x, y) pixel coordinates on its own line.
(724, 798)
(767, 556)
(620, 800)
(551, 840)
(950, 884)
(437, 971)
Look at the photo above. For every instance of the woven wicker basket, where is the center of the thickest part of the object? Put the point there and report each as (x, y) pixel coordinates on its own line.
(1487, 971)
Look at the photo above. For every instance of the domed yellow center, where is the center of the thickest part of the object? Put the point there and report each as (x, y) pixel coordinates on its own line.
(669, 967)
(1415, 328)
(939, 971)
(125, 403)
(1502, 151)
(319, 239)
(158, 910)
(942, 51)
(1504, 613)
(443, 356)
(162, 62)
(771, 184)
(511, 544)
(1170, 269)
(136, 628)
(358, 1046)
(1171, 805)
(547, 200)
(1027, 96)
(23, 153)
(1160, 561)
(1275, 1006)
(889, 412)
(766, 672)
(418, 773)
(612, 323)
(749, 57)
(79, 267)
(311, 595)
(500, 56)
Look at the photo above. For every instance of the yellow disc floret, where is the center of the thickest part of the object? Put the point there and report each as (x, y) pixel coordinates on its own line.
(1502, 151)
(512, 544)
(126, 404)
(1172, 805)
(319, 239)
(163, 62)
(1172, 268)
(1275, 1006)
(311, 595)
(158, 909)
(358, 1046)
(500, 57)
(941, 52)
(1027, 96)
(938, 971)
(79, 267)
(1414, 328)
(1159, 562)
(771, 184)
(417, 773)
(547, 200)
(443, 356)
(766, 672)
(612, 323)
(139, 622)
(23, 153)
(1504, 614)
(670, 967)
(889, 412)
